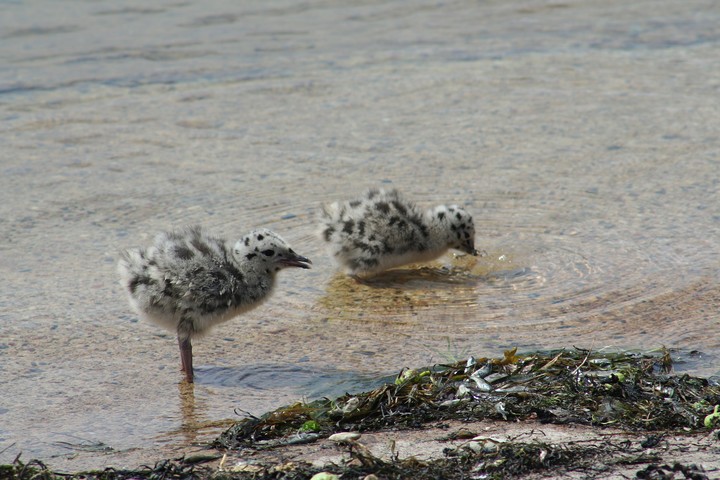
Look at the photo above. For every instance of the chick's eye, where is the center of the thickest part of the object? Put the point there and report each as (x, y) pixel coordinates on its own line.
(268, 252)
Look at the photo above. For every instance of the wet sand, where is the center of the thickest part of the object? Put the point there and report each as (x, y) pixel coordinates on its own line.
(582, 136)
(431, 443)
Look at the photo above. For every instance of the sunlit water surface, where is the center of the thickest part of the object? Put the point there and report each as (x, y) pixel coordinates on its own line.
(583, 138)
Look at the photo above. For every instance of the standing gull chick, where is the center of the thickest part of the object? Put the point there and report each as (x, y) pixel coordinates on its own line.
(381, 230)
(189, 281)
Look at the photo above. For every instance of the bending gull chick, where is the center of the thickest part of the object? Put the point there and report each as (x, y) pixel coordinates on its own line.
(381, 230)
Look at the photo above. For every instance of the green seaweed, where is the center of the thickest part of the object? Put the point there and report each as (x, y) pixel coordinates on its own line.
(631, 391)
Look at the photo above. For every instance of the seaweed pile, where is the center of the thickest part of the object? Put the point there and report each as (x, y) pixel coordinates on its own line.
(634, 392)
(184, 469)
(630, 392)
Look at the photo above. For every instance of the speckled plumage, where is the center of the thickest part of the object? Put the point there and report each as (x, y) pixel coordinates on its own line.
(381, 230)
(189, 280)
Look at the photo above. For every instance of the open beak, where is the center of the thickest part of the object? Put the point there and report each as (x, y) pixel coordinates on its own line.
(294, 260)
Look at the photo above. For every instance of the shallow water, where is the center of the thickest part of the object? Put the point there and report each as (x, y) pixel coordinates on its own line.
(583, 138)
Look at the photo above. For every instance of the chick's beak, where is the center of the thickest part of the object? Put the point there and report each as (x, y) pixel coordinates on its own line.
(292, 259)
(470, 248)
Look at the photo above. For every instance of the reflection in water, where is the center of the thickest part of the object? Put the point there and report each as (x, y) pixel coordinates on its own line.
(194, 423)
(399, 291)
(190, 418)
(461, 284)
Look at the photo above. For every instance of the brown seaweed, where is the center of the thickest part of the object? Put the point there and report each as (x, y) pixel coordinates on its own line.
(628, 391)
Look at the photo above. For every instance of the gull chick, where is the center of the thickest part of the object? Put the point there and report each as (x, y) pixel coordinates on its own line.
(381, 230)
(188, 281)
